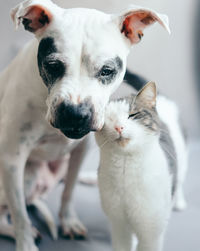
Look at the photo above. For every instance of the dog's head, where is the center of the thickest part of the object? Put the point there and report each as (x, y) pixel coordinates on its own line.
(81, 58)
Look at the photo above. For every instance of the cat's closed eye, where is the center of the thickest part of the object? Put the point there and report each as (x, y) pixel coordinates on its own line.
(133, 115)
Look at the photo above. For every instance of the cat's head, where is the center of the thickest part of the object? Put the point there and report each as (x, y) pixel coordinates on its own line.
(132, 121)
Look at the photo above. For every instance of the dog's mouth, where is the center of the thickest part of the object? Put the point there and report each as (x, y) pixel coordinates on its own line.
(74, 133)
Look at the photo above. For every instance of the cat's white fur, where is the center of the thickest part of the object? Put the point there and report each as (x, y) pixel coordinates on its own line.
(134, 180)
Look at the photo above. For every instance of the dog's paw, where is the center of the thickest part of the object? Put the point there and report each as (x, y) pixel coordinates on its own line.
(26, 242)
(7, 229)
(72, 228)
(26, 246)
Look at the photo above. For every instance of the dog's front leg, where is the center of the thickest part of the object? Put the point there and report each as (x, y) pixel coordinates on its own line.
(71, 226)
(12, 174)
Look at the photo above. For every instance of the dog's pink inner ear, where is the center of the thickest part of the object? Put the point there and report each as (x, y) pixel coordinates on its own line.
(37, 17)
(134, 24)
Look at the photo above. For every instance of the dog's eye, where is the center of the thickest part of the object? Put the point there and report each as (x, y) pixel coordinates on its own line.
(107, 74)
(54, 69)
(133, 115)
(52, 65)
(106, 71)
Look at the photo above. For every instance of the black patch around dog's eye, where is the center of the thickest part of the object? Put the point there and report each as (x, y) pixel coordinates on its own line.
(50, 67)
(46, 47)
(55, 69)
(109, 71)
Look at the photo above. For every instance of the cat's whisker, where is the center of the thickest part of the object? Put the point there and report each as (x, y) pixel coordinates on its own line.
(103, 144)
(99, 147)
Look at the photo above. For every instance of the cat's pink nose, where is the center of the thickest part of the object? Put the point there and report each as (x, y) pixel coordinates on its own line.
(119, 129)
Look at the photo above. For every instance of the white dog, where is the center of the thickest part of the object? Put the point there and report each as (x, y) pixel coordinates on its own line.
(58, 86)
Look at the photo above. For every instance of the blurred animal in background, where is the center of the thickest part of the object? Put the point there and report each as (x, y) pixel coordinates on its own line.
(55, 92)
(143, 163)
(40, 178)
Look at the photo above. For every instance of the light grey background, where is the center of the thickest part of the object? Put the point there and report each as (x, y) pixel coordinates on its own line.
(170, 61)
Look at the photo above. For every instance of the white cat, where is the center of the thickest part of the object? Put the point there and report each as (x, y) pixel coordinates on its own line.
(143, 161)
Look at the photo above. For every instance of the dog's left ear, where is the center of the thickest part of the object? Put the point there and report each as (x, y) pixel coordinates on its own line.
(34, 15)
(136, 19)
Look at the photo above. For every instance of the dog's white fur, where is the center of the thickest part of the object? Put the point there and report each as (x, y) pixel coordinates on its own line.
(25, 102)
(134, 180)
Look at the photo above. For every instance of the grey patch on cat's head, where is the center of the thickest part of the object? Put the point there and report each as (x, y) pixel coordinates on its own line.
(143, 107)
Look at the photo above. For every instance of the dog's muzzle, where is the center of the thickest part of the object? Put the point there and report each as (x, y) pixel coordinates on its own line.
(75, 121)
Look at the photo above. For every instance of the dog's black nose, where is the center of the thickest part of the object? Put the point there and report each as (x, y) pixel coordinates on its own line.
(75, 121)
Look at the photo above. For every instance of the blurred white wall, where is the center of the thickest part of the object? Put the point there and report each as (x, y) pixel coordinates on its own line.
(168, 60)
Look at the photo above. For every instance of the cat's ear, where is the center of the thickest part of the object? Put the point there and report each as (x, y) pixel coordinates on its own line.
(147, 96)
(136, 19)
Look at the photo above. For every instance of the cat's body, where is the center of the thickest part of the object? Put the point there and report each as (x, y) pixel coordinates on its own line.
(136, 182)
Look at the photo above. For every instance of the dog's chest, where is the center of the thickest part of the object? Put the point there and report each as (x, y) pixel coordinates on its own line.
(52, 146)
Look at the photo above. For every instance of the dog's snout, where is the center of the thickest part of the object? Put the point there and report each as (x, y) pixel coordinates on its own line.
(74, 121)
